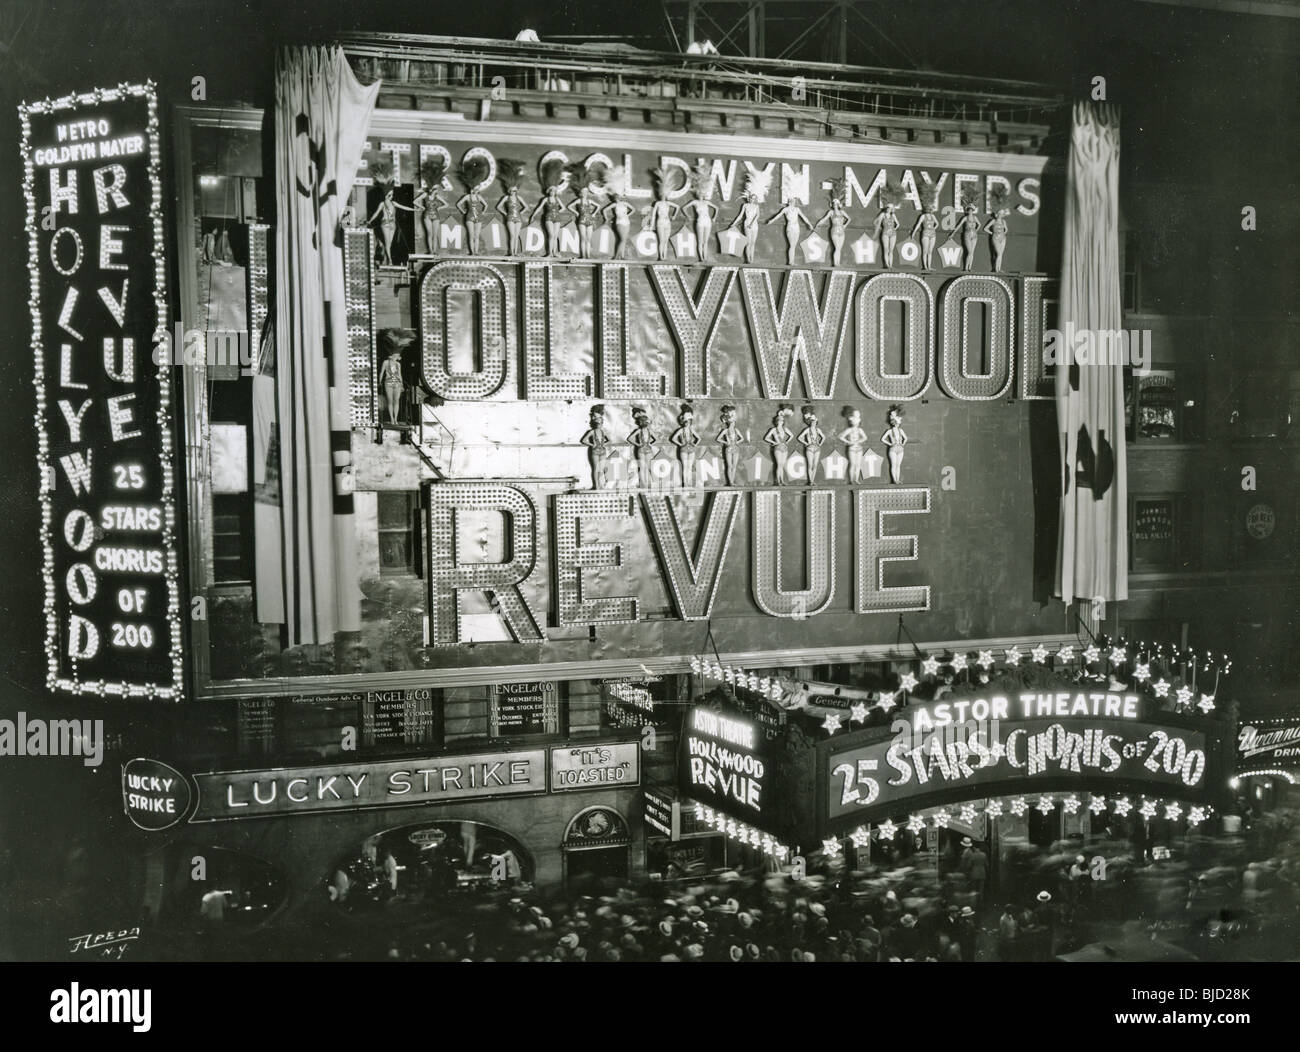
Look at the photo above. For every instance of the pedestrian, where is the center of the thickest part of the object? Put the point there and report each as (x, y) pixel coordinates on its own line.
(967, 933)
(1008, 933)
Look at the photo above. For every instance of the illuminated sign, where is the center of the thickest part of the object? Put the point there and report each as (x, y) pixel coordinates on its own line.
(721, 763)
(925, 716)
(154, 795)
(608, 766)
(663, 812)
(882, 777)
(103, 412)
(444, 779)
(1270, 742)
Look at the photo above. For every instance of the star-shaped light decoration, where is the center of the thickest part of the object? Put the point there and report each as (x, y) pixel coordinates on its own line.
(1173, 810)
(1148, 809)
(887, 830)
(907, 682)
(1066, 653)
(814, 248)
(831, 847)
(1071, 804)
(1118, 655)
(1091, 654)
(768, 844)
(752, 681)
(1195, 816)
(831, 723)
(764, 685)
(729, 674)
(997, 750)
(703, 813)
(1123, 806)
(731, 827)
(861, 836)
(858, 713)
(1142, 671)
(985, 659)
(1039, 654)
(1097, 804)
(1013, 656)
(930, 666)
(1206, 704)
(1185, 695)
(1019, 806)
(695, 665)
(1161, 687)
(1045, 804)
(967, 813)
(958, 662)
(941, 818)
(915, 823)
(994, 809)
(887, 701)
(781, 851)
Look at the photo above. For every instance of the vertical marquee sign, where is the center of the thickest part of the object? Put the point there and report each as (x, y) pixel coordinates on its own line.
(103, 412)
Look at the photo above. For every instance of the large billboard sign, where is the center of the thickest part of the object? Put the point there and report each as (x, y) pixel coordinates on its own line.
(655, 379)
(983, 746)
(103, 412)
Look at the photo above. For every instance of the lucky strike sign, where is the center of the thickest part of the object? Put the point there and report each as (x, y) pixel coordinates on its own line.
(1019, 744)
(103, 418)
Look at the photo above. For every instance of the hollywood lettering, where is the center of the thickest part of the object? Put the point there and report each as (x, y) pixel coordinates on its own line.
(110, 558)
(721, 761)
(803, 328)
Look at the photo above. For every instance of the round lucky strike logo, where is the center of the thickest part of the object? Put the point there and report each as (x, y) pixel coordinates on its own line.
(154, 795)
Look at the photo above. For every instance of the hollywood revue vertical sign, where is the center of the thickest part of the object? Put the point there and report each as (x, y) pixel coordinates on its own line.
(103, 413)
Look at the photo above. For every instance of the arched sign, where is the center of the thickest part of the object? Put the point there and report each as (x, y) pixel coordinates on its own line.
(594, 828)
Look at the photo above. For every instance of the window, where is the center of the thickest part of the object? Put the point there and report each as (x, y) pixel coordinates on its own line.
(1161, 534)
(526, 710)
(232, 530)
(399, 549)
(1132, 275)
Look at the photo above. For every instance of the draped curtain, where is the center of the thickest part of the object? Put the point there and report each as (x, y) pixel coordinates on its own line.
(321, 118)
(1092, 549)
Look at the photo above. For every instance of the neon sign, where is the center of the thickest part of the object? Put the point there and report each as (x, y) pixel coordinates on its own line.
(103, 411)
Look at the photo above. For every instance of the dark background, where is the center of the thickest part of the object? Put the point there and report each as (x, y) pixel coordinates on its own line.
(1210, 103)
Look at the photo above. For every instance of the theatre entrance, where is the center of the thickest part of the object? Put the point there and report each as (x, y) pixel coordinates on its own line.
(596, 849)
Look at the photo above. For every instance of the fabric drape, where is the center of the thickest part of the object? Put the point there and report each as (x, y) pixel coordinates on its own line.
(1092, 549)
(321, 118)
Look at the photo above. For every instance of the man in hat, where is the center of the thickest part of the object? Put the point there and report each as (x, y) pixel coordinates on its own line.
(967, 933)
(974, 867)
(1044, 925)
